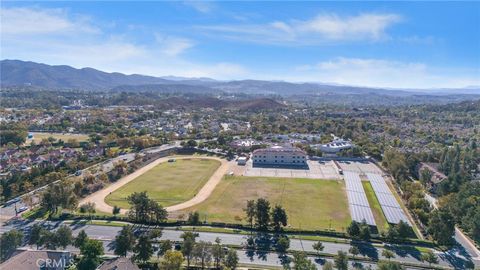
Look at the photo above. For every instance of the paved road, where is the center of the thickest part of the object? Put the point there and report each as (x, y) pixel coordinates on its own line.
(403, 253)
(467, 249)
(8, 210)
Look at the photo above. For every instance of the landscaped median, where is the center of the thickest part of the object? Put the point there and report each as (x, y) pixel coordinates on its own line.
(361, 259)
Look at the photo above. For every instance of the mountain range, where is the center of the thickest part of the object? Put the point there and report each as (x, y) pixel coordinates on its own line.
(23, 73)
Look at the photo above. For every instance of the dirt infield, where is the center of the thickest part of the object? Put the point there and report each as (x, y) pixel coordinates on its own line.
(99, 197)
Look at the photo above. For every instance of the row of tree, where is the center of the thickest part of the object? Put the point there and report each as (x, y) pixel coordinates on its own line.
(144, 209)
(261, 214)
(203, 254)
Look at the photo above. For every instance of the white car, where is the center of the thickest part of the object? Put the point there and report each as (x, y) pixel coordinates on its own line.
(22, 209)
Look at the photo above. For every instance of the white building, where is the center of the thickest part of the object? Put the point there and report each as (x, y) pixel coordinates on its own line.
(279, 156)
(242, 161)
(334, 146)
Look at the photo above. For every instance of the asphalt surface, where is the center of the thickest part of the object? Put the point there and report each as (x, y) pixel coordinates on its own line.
(406, 254)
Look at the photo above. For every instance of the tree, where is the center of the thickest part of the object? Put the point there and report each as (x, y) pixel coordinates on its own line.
(48, 240)
(88, 208)
(164, 246)
(388, 254)
(231, 260)
(354, 251)
(13, 133)
(143, 249)
(283, 243)
(301, 262)
(262, 213)
(172, 260)
(425, 176)
(403, 229)
(392, 234)
(279, 217)
(144, 209)
(203, 252)
(218, 253)
(327, 266)
(188, 245)
(193, 218)
(250, 211)
(9, 241)
(63, 236)
(155, 233)
(382, 265)
(318, 246)
(429, 257)
(35, 233)
(341, 260)
(124, 241)
(353, 229)
(191, 143)
(115, 210)
(441, 226)
(81, 239)
(58, 195)
(91, 251)
(364, 232)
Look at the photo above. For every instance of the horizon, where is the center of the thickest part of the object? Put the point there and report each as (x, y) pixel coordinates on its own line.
(174, 78)
(378, 45)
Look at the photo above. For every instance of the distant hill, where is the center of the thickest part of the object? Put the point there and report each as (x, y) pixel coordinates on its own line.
(21, 73)
(15, 72)
(171, 87)
(215, 103)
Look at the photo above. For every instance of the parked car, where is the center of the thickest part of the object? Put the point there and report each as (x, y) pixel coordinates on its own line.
(22, 209)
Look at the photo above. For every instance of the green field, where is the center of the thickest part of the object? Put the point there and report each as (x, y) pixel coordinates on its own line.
(38, 136)
(380, 219)
(168, 183)
(310, 203)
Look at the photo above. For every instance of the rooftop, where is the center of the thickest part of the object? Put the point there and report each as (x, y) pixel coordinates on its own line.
(279, 149)
(35, 259)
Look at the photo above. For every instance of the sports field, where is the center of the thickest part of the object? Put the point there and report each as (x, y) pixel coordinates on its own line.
(38, 136)
(168, 183)
(310, 203)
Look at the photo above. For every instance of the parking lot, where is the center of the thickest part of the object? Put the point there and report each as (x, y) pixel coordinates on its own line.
(317, 170)
(361, 167)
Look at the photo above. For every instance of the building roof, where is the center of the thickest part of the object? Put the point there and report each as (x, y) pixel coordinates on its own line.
(120, 263)
(437, 176)
(279, 149)
(34, 259)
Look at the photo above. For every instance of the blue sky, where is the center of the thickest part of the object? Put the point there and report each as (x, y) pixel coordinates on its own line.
(380, 44)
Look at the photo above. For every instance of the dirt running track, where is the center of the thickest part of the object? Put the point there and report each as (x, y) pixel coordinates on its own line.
(99, 197)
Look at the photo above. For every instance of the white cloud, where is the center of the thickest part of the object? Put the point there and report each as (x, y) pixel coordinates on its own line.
(320, 29)
(200, 6)
(331, 26)
(55, 36)
(173, 46)
(27, 21)
(383, 73)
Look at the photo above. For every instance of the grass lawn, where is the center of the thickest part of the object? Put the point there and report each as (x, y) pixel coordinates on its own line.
(310, 203)
(380, 219)
(38, 136)
(168, 183)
